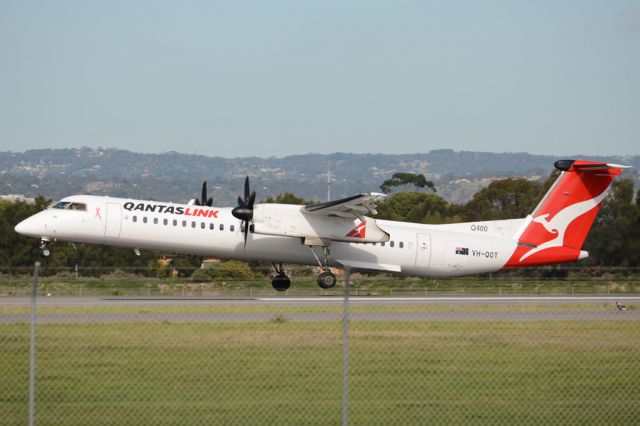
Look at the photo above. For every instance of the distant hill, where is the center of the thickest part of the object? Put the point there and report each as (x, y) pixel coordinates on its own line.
(56, 173)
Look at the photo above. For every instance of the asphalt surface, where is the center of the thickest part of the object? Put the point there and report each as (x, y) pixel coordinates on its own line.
(310, 301)
(505, 308)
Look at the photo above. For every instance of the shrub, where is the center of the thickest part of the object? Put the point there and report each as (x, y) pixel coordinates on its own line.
(200, 275)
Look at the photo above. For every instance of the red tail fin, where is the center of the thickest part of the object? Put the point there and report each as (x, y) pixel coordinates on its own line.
(555, 231)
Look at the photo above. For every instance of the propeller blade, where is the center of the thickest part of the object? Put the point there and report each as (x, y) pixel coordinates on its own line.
(244, 210)
(246, 188)
(204, 193)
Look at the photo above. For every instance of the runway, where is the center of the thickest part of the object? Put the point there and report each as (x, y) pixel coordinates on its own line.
(307, 301)
(308, 309)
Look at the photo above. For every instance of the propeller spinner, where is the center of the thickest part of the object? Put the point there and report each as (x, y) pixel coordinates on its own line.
(244, 210)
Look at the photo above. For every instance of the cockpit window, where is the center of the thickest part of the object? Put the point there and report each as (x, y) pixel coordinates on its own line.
(78, 206)
(61, 205)
(66, 205)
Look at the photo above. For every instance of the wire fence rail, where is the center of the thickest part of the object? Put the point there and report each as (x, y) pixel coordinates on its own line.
(123, 281)
(243, 359)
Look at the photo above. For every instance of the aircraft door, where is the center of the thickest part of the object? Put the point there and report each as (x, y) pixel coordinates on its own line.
(423, 250)
(114, 220)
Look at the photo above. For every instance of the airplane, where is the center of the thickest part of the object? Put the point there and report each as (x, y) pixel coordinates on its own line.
(337, 233)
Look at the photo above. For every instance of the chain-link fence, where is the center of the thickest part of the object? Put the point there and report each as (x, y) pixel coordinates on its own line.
(383, 356)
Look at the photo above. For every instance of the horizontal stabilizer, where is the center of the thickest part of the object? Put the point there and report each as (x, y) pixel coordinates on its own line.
(589, 166)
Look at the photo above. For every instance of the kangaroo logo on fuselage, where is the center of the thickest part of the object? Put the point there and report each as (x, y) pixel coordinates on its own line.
(360, 229)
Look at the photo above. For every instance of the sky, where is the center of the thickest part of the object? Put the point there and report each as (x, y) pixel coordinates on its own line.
(277, 78)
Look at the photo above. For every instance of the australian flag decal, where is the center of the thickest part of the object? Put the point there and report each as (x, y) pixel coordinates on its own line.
(462, 250)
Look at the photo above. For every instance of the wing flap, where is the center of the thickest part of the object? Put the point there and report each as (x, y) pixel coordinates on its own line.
(356, 205)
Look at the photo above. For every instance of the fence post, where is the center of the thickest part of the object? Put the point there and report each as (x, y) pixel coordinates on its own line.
(345, 348)
(32, 347)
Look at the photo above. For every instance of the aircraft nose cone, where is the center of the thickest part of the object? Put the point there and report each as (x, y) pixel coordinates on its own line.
(21, 228)
(27, 227)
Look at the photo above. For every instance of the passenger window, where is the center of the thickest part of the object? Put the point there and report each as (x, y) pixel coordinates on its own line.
(212, 226)
(134, 218)
(232, 228)
(144, 219)
(155, 220)
(202, 225)
(221, 227)
(165, 221)
(391, 244)
(184, 223)
(401, 244)
(382, 244)
(193, 224)
(175, 222)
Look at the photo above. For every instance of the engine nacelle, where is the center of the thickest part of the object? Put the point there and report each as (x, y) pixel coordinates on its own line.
(290, 221)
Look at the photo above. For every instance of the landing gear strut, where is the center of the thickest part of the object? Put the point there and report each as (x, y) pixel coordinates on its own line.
(280, 282)
(45, 250)
(326, 279)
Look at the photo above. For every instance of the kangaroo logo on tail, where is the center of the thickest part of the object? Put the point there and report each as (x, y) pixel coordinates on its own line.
(558, 227)
(559, 223)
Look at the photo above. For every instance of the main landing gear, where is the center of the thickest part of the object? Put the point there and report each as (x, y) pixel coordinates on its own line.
(45, 250)
(280, 282)
(326, 279)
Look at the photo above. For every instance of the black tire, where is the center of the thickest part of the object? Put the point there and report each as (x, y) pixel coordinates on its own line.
(281, 283)
(45, 252)
(327, 280)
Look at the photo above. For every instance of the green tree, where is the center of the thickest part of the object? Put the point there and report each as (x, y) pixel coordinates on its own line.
(287, 198)
(231, 269)
(17, 251)
(614, 239)
(503, 199)
(417, 207)
(185, 264)
(404, 179)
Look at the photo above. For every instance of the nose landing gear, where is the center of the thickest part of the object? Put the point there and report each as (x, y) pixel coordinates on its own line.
(45, 250)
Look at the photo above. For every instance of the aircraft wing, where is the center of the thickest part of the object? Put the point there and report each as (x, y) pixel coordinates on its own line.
(356, 205)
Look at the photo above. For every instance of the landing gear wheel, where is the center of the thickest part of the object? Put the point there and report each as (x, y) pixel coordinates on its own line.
(327, 280)
(45, 250)
(281, 283)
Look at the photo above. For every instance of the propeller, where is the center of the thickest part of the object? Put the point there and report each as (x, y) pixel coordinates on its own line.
(204, 201)
(244, 210)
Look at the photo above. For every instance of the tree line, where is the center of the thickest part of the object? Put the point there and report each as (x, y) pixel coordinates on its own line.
(614, 239)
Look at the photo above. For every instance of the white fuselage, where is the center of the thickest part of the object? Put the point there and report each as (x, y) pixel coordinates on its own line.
(415, 249)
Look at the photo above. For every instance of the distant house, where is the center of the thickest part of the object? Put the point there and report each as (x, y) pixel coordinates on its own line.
(209, 263)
